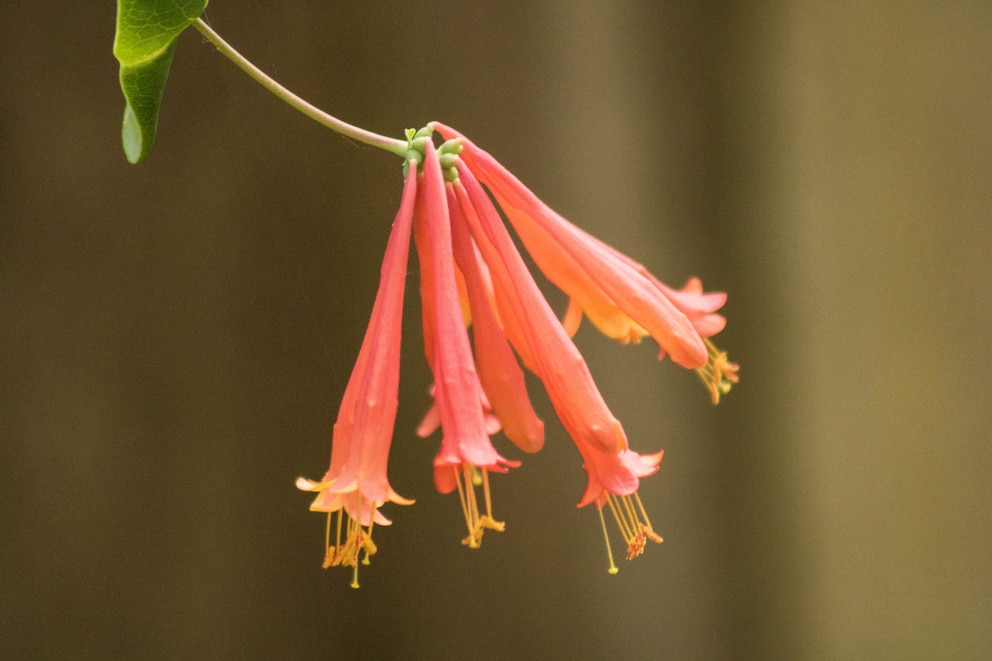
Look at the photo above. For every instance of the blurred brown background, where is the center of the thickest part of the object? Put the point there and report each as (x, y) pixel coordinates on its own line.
(177, 335)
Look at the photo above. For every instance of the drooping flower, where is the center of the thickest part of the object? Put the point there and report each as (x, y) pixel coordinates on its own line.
(474, 278)
(614, 470)
(355, 486)
(532, 327)
(466, 449)
(621, 297)
(500, 375)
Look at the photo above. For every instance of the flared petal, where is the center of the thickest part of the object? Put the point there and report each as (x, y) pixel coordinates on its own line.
(617, 474)
(700, 307)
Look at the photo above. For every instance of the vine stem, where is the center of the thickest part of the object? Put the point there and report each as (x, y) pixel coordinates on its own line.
(398, 147)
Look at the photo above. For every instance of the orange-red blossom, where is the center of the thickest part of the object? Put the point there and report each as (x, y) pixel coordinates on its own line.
(472, 274)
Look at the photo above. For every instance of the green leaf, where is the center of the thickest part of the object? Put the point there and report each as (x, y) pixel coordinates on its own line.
(145, 43)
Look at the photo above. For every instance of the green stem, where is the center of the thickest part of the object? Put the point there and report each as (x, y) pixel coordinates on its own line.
(398, 147)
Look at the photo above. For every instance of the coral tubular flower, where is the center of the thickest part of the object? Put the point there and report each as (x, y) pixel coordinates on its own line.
(467, 455)
(718, 374)
(500, 375)
(483, 314)
(617, 294)
(613, 482)
(533, 328)
(355, 485)
(613, 469)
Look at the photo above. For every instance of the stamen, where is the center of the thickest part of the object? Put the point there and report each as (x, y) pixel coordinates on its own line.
(474, 538)
(628, 512)
(330, 557)
(354, 546)
(357, 538)
(606, 536)
(485, 491)
(368, 546)
(627, 533)
(470, 492)
(327, 534)
(475, 522)
(652, 535)
(487, 521)
(463, 496)
(350, 550)
(330, 552)
(718, 374)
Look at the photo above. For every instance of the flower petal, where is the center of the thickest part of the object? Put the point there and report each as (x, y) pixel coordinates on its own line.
(500, 375)
(458, 393)
(364, 427)
(533, 328)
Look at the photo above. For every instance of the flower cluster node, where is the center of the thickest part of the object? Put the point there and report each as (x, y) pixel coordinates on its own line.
(472, 276)
(415, 150)
(447, 152)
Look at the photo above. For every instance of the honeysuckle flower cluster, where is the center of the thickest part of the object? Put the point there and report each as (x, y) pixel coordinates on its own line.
(473, 276)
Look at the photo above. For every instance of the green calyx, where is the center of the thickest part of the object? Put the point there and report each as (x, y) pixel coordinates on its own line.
(415, 150)
(447, 153)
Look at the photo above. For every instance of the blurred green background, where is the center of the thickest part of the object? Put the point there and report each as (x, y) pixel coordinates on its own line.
(177, 335)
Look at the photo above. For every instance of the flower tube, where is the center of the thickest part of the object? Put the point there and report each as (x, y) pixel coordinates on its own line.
(467, 454)
(355, 485)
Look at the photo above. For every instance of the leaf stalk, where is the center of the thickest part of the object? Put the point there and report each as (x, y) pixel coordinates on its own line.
(398, 147)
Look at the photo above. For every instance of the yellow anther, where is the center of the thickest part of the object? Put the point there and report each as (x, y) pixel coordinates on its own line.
(357, 542)
(467, 479)
(632, 520)
(606, 536)
(718, 374)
